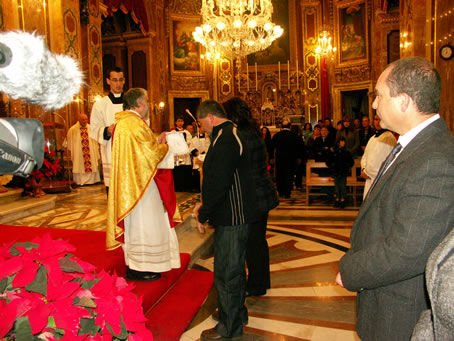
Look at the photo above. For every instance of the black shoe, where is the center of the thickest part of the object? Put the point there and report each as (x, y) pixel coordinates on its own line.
(215, 316)
(336, 203)
(342, 204)
(134, 275)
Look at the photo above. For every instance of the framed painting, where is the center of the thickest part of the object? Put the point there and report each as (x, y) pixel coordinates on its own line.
(352, 32)
(184, 50)
(282, 49)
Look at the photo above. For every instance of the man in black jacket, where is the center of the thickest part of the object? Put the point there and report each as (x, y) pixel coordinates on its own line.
(228, 198)
(289, 147)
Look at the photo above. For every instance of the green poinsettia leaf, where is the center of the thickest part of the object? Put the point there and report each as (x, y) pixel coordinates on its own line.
(87, 285)
(85, 302)
(23, 329)
(68, 265)
(58, 332)
(3, 284)
(123, 334)
(88, 326)
(26, 245)
(39, 284)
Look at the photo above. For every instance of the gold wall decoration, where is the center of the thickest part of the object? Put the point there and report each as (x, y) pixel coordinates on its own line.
(312, 71)
(225, 77)
(185, 6)
(310, 25)
(352, 74)
(71, 29)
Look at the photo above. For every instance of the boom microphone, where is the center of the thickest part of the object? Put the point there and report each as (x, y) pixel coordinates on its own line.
(29, 71)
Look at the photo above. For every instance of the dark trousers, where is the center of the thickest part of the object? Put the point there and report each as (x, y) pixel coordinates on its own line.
(284, 177)
(182, 177)
(340, 186)
(258, 257)
(230, 277)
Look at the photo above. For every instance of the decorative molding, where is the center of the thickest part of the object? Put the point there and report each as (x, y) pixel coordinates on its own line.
(351, 74)
(388, 18)
(188, 83)
(185, 6)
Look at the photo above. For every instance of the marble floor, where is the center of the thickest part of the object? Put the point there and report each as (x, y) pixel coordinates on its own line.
(305, 243)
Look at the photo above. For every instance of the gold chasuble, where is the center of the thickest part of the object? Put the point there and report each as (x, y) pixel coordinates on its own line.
(136, 154)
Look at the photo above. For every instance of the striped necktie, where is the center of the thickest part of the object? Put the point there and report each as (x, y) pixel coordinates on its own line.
(384, 166)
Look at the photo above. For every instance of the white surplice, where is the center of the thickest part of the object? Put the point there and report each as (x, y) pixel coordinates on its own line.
(103, 115)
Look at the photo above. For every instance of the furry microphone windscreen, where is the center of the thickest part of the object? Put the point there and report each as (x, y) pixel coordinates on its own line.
(29, 71)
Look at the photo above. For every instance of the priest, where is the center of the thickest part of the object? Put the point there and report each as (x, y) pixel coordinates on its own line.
(141, 202)
(84, 153)
(103, 116)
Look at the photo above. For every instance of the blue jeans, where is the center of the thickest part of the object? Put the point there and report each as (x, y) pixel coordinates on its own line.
(230, 277)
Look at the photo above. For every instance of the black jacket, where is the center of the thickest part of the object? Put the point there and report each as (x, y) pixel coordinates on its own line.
(340, 161)
(228, 192)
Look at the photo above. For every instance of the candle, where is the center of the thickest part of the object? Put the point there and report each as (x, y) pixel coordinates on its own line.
(279, 71)
(297, 75)
(256, 83)
(288, 73)
(247, 74)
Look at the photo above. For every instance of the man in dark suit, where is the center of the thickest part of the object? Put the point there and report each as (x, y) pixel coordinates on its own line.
(289, 147)
(365, 133)
(408, 210)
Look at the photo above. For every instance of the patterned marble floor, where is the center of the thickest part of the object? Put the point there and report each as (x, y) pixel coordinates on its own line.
(304, 302)
(305, 243)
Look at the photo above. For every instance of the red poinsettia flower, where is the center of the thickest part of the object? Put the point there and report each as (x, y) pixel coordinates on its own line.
(59, 293)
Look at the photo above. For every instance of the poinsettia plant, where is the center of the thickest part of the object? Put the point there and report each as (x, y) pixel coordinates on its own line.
(46, 293)
(51, 166)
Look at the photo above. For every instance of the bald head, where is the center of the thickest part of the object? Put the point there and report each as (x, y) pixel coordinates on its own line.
(83, 120)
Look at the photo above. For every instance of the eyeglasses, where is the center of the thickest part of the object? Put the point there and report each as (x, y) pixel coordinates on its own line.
(115, 80)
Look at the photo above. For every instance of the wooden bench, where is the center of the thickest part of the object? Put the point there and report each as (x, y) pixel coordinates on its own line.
(313, 179)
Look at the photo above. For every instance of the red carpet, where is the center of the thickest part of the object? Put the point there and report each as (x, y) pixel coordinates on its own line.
(185, 298)
(169, 303)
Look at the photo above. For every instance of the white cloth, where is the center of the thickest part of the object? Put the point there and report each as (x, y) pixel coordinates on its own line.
(150, 243)
(86, 178)
(74, 144)
(201, 144)
(180, 158)
(377, 149)
(103, 115)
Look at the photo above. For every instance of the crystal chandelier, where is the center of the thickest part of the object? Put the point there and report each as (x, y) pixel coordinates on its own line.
(236, 28)
(324, 43)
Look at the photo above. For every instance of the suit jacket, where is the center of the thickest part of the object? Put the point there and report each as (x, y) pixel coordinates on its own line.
(406, 215)
(437, 324)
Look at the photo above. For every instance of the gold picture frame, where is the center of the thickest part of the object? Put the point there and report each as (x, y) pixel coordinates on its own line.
(185, 52)
(352, 40)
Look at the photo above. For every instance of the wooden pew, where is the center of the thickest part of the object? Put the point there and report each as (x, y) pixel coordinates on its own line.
(313, 179)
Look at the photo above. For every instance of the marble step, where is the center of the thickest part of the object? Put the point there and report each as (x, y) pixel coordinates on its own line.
(193, 242)
(12, 194)
(23, 207)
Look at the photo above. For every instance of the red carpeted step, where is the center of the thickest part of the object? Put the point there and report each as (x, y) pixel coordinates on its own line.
(153, 291)
(170, 317)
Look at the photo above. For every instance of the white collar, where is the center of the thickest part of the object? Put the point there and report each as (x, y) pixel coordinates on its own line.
(404, 140)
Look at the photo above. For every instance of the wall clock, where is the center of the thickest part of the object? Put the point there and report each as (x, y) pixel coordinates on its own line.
(446, 52)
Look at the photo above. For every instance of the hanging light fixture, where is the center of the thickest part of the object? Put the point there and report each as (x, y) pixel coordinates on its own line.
(324, 43)
(236, 28)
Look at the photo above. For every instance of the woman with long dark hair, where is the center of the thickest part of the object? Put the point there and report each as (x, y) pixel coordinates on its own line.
(257, 253)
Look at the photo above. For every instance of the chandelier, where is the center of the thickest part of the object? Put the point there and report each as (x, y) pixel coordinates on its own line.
(324, 43)
(236, 28)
